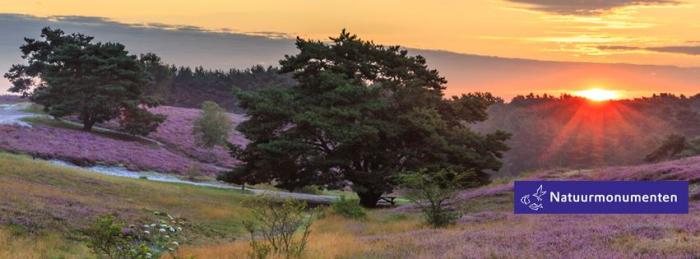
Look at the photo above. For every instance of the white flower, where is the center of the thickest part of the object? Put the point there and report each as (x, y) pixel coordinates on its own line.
(153, 225)
(149, 255)
(172, 229)
(146, 226)
(147, 232)
(179, 229)
(167, 237)
(176, 243)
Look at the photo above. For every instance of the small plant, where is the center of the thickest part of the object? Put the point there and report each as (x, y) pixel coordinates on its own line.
(349, 208)
(431, 192)
(278, 227)
(110, 237)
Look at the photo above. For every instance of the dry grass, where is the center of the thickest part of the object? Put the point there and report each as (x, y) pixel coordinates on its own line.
(54, 245)
(332, 237)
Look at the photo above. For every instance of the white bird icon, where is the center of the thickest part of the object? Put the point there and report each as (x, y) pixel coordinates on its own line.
(539, 193)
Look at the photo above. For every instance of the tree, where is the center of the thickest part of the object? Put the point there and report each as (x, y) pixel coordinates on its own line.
(361, 113)
(213, 125)
(71, 75)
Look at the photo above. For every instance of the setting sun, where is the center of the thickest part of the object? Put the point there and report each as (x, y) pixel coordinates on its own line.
(598, 95)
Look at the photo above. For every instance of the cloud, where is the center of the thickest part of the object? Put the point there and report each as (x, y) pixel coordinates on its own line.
(176, 44)
(688, 50)
(588, 7)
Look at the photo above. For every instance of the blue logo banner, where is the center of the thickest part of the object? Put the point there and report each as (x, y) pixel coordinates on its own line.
(601, 197)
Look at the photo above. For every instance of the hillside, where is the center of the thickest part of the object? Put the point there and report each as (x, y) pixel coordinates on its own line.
(174, 151)
(43, 206)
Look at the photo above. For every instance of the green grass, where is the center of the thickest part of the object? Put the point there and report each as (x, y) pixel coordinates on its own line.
(49, 204)
(43, 197)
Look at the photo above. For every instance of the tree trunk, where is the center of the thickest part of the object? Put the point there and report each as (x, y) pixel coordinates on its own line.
(369, 199)
(87, 125)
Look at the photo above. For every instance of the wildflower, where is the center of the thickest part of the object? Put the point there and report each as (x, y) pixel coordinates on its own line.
(147, 232)
(167, 237)
(162, 230)
(172, 229)
(179, 229)
(153, 225)
(176, 243)
(146, 226)
(149, 255)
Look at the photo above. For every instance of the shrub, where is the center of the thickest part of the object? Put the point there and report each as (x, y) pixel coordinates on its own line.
(111, 237)
(107, 237)
(431, 193)
(278, 227)
(310, 189)
(212, 127)
(349, 208)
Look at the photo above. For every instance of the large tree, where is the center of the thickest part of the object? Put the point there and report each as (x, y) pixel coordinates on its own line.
(69, 74)
(361, 113)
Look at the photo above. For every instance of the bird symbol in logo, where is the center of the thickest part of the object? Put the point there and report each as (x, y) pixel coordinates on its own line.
(535, 205)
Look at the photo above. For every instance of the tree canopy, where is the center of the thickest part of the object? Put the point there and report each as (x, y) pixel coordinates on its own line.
(361, 113)
(212, 127)
(69, 74)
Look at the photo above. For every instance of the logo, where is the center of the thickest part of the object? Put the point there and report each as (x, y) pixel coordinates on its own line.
(537, 205)
(601, 197)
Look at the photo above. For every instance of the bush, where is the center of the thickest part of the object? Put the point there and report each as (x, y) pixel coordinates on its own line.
(431, 193)
(349, 208)
(111, 237)
(310, 189)
(278, 227)
(212, 127)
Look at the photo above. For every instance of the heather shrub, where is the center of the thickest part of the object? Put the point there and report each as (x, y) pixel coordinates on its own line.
(212, 127)
(282, 228)
(431, 192)
(349, 208)
(110, 237)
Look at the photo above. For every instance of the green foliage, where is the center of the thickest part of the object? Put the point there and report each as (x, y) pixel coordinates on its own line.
(112, 238)
(431, 192)
(278, 227)
(71, 75)
(106, 237)
(360, 113)
(213, 126)
(349, 208)
(310, 189)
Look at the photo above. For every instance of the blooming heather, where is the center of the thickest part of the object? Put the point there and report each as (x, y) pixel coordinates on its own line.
(87, 148)
(176, 133)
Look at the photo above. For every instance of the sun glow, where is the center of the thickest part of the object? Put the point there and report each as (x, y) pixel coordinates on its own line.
(598, 94)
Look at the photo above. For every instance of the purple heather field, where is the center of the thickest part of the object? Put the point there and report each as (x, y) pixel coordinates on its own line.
(176, 156)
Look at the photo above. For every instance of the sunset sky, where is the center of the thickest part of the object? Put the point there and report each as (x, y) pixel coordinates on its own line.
(659, 32)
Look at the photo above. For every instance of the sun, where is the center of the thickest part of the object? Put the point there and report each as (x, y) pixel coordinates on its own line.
(598, 94)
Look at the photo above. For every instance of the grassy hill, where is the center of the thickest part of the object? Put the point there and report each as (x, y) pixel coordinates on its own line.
(43, 207)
